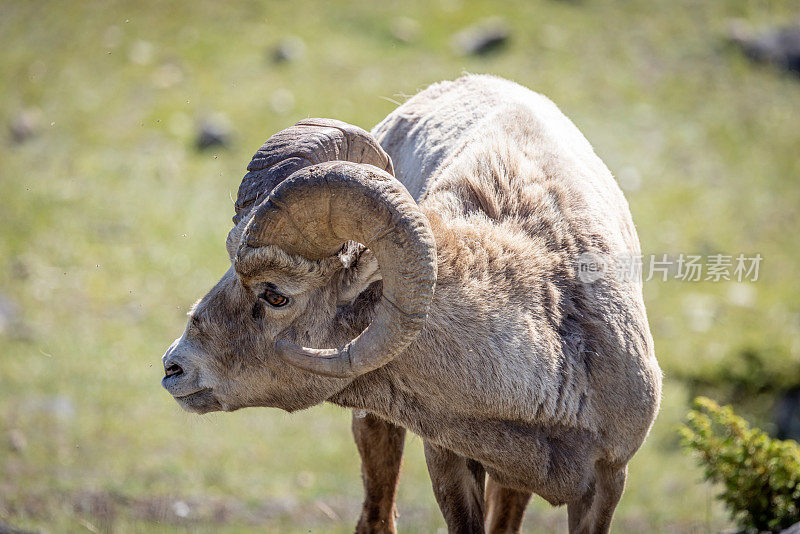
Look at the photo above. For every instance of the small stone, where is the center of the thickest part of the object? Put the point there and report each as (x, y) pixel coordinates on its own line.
(6, 528)
(743, 295)
(17, 440)
(60, 406)
(305, 479)
(25, 125)
(19, 269)
(552, 36)
(288, 50)
(489, 35)
(112, 37)
(37, 70)
(8, 314)
(141, 53)
(214, 131)
(167, 75)
(405, 29)
(700, 310)
(282, 101)
(787, 415)
(629, 179)
(181, 509)
(794, 529)
(779, 46)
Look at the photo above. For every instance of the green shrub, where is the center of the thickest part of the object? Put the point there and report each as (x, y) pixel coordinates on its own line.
(744, 371)
(760, 475)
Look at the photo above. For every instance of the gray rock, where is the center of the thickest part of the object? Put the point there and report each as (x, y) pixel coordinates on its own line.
(19, 269)
(5, 528)
(213, 131)
(288, 50)
(25, 125)
(787, 415)
(405, 29)
(779, 46)
(17, 440)
(11, 323)
(58, 406)
(9, 315)
(487, 36)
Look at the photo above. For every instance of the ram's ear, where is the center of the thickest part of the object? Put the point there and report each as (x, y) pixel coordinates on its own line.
(360, 270)
(232, 241)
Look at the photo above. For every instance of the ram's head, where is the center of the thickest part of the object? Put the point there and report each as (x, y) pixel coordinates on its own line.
(319, 219)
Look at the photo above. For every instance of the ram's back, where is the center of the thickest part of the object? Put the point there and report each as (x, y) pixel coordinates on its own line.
(453, 127)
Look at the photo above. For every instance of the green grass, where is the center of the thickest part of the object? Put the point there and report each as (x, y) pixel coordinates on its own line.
(112, 224)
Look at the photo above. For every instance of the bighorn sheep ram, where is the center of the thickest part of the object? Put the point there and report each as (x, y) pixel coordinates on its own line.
(448, 283)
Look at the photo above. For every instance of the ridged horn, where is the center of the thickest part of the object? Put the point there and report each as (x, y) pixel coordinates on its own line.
(313, 213)
(307, 143)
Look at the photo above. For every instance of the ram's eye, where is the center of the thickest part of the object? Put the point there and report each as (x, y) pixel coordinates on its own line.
(274, 298)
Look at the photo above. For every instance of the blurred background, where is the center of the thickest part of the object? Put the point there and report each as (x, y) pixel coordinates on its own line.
(126, 129)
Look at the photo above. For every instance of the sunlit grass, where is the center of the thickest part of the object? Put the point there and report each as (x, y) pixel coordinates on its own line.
(112, 224)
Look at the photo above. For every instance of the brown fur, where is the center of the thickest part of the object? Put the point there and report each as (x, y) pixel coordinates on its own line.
(380, 445)
(547, 384)
(505, 508)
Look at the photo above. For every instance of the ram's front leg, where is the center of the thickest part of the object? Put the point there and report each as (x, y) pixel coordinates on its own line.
(505, 508)
(592, 514)
(380, 444)
(458, 484)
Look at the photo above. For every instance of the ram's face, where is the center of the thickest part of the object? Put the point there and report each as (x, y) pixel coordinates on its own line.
(226, 357)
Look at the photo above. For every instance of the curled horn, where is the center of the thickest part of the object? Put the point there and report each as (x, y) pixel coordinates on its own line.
(307, 143)
(320, 207)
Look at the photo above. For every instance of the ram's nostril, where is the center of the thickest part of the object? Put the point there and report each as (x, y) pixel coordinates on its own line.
(173, 370)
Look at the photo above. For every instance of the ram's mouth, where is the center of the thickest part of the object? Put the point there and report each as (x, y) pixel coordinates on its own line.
(202, 401)
(188, 395)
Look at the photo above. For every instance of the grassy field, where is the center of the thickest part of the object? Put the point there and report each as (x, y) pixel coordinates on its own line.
(112, 224)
